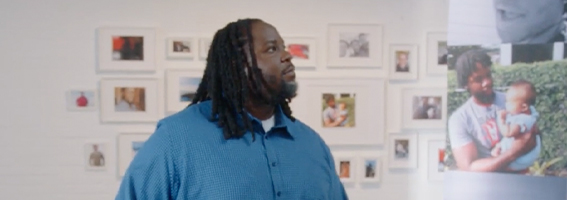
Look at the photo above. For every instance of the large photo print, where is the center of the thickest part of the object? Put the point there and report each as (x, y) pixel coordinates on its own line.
(507, 118)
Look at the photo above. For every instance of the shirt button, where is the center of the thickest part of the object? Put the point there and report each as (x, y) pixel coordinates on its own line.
(279, 194)
(273, 164)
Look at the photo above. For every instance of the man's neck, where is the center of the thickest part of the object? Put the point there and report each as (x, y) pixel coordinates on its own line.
(261, 111)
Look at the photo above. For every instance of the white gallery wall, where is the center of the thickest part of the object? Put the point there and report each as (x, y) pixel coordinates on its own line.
(49, 47)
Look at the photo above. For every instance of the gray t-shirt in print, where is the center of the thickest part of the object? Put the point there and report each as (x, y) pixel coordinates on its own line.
(475, 123)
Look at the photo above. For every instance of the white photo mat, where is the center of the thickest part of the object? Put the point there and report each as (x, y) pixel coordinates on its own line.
(411, 159)
(413, 62)
(90, 94)
(433, 66)
(374, 177)
(350, 167)
(106, 63)
(173, 79)
(125, 148)
(369, 109)
(434, 145)
(311, 43)
(91, 158)
(108, 100)
(375, 43)
(204, 45)
(193, 47)
(408, 121)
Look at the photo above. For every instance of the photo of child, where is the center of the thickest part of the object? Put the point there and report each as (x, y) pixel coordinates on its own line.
(338, 110)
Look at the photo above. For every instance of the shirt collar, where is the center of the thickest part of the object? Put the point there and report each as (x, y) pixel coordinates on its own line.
(281, 120)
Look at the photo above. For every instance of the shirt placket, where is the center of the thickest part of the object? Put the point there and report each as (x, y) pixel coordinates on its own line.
(274, 165)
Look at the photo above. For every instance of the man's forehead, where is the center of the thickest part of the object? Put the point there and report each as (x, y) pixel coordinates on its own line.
(264, 31)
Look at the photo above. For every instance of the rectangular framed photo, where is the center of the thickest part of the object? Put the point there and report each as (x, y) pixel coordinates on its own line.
(437, 53)
(126, 49)
(128, 145)
(436, 158)
(181, 47)
(303, 50)
(181, 88)
(343, 111)
(79, 99)
(369, 169)
(129, 100)
(402, 150)
(96, 158)
(424, 108)
(355, 45)
(404, 63)
(346, 167)
(204, 45)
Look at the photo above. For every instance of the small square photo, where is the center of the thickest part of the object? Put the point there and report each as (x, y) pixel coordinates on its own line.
(82, 100)
(95, 154)
(188, 88)
(401, 149)
(127, 48)
(353, 45)
(130, 99)
(344, 169)
(402, 61)
(338, 109)
(370, 168)
(427, 107)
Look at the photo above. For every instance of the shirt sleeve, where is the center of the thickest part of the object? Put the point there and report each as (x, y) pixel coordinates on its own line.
(337, 188)
(458, 134)
(151, 173)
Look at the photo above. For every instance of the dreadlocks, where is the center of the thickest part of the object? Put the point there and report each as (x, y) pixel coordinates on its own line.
(231, 77)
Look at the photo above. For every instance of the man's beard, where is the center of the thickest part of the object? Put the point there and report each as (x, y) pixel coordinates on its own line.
(484, 98)
(287, 91)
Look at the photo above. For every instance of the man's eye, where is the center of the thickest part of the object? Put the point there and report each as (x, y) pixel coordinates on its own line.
(272, 49)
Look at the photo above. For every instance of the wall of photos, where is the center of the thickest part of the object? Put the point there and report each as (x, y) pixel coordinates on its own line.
(86, 75)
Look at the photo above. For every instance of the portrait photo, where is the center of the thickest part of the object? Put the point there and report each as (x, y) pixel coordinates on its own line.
(81, 99)
(427, 107)
(130, 99)
(188, 88)
(401, 149)
(517, 98)
(95, 156)
(344, 169)
(402, 153)
(369, 168)
(338, 109)
(403, 63)
(127, 48)
(356, 45)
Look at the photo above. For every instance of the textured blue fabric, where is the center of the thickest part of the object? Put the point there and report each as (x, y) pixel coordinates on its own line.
(188, 158)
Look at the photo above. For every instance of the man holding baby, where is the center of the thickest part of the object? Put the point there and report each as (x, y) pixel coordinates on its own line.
(493, 131)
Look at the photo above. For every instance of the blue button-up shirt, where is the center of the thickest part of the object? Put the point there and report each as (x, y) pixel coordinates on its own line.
(187, 157)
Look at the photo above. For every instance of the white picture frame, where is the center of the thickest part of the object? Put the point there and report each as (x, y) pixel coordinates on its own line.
(402, 150)
(128, 144)
(424, 108)
(204, 46)
(177, 47)
(408, 52)
(142, 92)
(178, 82)
(82, 99)
(303, 50)
(96, 156)
(345, 166)
(112, 58)
(437, 48)
(365, 122)
(341, 55)
(369, 169)
(435, 168)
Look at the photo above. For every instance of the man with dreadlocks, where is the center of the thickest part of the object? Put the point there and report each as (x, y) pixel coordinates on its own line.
(238, 138)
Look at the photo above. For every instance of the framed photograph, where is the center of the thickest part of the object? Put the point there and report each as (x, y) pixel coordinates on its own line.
(404, 64)
(181, 47)
(204, 45)
(357, 45)
(402, 151)
(128, 145)
(436, 158)
(303, 51)
(370, 168)
(129, 100)
(126, 49)
(82, 100)
(343, 111)
(424, 108)
(96, 156)
(346, 168)
(181, 88)
(437, 53)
